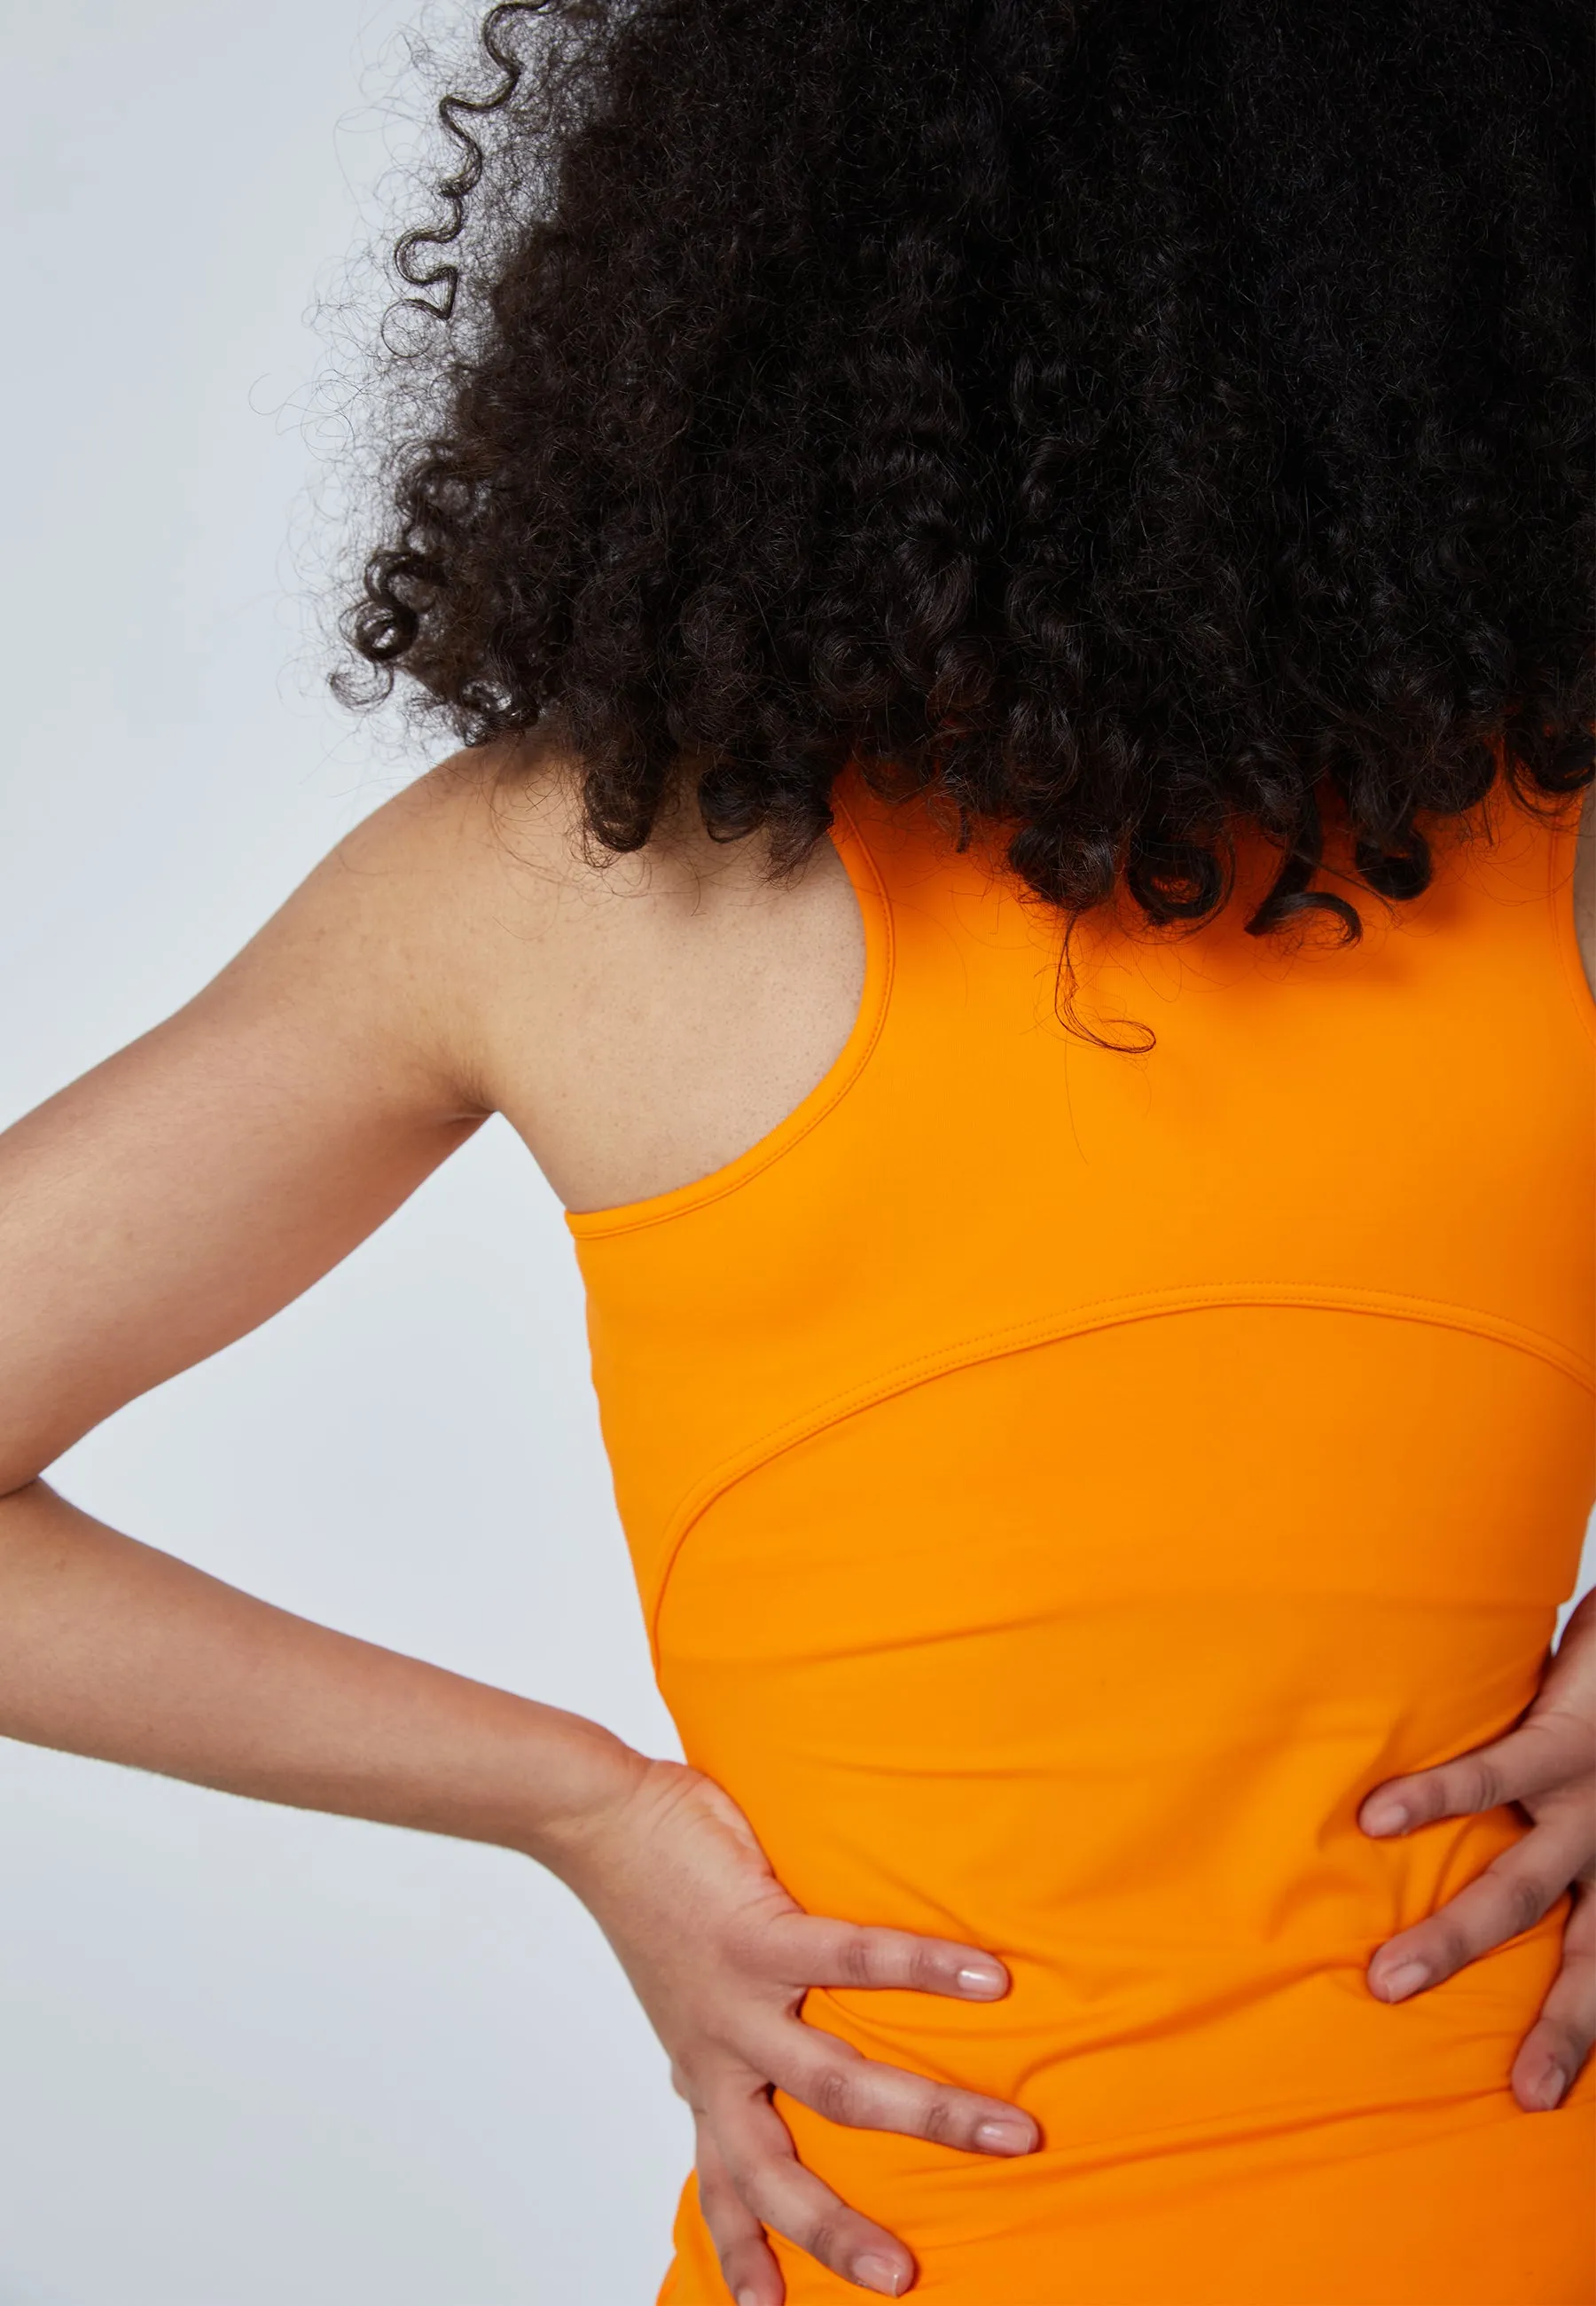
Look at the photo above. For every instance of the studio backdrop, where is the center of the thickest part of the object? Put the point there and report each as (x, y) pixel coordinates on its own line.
(250, 2057)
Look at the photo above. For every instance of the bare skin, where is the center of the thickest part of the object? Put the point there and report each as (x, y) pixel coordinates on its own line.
(639, 1025)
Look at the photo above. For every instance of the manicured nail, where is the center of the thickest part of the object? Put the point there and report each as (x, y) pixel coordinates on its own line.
(1407, 1975)
(1386, 1817)
(878, 2274)
(999, 2135)
(981, 1977)
(748, 2298)
(1549, 2088)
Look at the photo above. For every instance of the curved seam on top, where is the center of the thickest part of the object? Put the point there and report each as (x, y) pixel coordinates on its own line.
(1105, 1313)
(831, 1089)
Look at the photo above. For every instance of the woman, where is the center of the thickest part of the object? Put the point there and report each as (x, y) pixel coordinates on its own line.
(1014, 581)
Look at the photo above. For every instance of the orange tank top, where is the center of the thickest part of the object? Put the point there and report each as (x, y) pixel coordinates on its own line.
(1062, 1484)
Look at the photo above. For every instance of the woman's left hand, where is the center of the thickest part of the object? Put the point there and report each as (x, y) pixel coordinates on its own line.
(1546, 1764)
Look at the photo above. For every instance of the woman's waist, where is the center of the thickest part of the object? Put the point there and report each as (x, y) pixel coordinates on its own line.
(1091, 1767)
(1151, 1816)
(1151, 2046)
(1150, 1928)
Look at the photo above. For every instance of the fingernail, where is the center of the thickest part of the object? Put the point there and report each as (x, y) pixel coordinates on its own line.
(1549, 2088)
(981, 1977)
(1386, 1817)
(999, 2136)
(878, 2274)
(748, 2298)
(1395, 1983)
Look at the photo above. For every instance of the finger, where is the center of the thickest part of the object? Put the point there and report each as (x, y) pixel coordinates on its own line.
(809, 1950)
(1557, 2045)
(747, 2262)
(781, 2194)
(1547, 1750)
(835, 2079)
(1511, 1895)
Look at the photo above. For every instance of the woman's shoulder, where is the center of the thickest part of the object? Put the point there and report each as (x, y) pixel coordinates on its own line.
(639, 1018)
(505, 823)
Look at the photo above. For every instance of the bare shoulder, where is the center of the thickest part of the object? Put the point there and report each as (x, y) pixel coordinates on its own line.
(639, 1019)
(471, 876)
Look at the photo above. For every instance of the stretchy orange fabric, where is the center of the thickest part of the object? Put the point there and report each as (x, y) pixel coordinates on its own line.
(1062, 1484)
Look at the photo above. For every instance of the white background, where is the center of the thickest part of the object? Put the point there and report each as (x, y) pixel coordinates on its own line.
(247, 2057)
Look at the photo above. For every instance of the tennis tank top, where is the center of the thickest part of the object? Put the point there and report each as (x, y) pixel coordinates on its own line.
(1062, 1484)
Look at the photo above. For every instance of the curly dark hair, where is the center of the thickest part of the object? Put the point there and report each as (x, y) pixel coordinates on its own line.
(1125, 419)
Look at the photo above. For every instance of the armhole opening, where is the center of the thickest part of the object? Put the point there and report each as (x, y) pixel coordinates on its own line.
(875, 918)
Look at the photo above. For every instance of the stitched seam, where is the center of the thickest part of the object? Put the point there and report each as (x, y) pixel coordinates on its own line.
(992, 1344)
(753, 1163)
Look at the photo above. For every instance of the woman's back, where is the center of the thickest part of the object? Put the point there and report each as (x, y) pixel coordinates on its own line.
(1063, 1482)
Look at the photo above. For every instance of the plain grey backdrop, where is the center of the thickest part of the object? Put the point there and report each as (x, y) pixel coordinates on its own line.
(248, 2057)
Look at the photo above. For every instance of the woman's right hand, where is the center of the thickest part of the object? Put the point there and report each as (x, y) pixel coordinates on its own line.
(720, 1958)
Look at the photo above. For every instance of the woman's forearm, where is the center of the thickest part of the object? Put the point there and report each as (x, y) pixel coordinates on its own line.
(110, 1648)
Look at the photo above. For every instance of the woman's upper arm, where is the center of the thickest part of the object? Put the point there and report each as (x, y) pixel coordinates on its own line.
(198, 1180)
